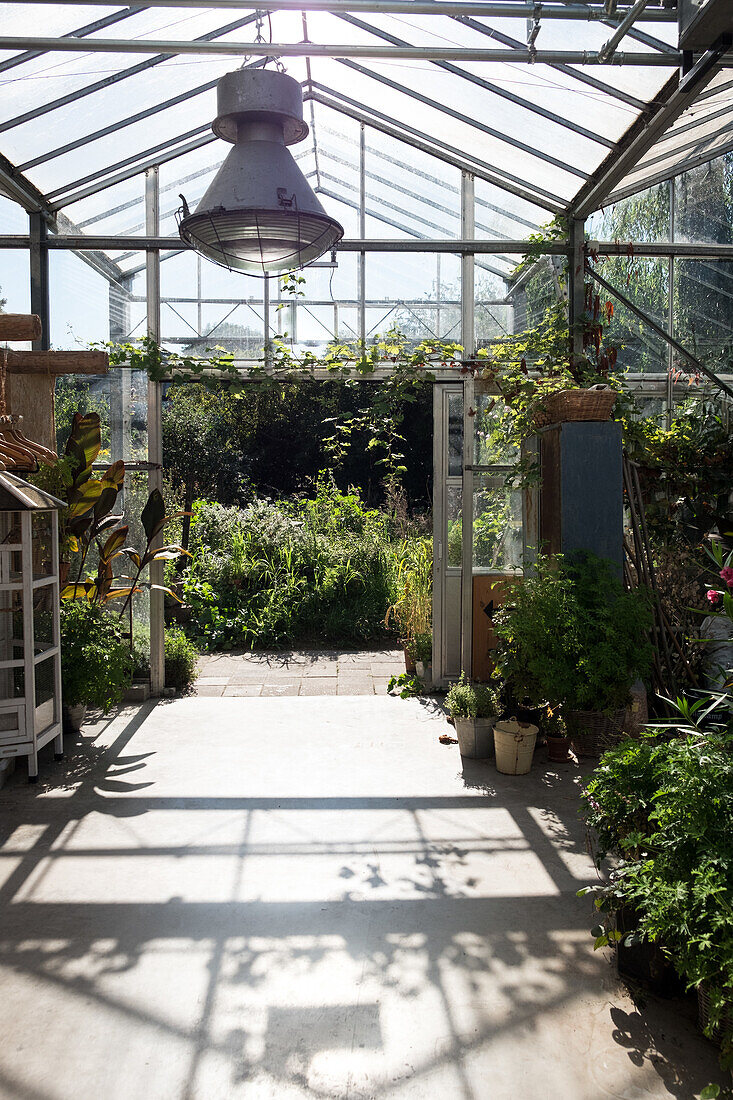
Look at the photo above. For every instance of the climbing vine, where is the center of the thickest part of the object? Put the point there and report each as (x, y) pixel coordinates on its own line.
(400, 366)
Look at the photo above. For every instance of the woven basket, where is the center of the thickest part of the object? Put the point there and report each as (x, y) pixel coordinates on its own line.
(703, 1015)
(593, 732)
(567, 405)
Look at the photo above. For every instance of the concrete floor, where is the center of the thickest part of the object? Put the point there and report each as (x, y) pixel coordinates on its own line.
(307, 672)
(271, 899)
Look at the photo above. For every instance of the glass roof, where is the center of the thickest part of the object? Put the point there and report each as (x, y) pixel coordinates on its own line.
(83, 126)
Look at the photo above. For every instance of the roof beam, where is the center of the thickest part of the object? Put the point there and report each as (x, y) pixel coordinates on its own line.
(172, 47)
(696, 250)
(446, 109)
(495, 89)
(142, 243)
(443, 183)
(114, 78)
(510, 10)
(16, 187)
(566, 70)
(666, 107)
(438, 149)
(80, 32)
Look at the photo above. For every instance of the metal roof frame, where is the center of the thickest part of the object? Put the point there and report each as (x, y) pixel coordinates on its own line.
(209, 47)
(657, 13)
(653, 121)
(487, 85)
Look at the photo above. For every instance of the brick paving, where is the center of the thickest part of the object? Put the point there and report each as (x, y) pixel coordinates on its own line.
(303, 672)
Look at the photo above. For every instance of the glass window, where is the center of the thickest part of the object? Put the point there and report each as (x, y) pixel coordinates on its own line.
(497, 526)
(455, 435)
(454, 524)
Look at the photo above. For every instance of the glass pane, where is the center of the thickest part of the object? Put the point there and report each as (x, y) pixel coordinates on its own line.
(497, 526)
(41, 527)
(45, 681)
(643, 217)
(455, 435)
(11, 626)
(10, 534)
(702, 203)
(488, 440)
(454, 523)
(646, 283)
(43, 618)
(703, 322)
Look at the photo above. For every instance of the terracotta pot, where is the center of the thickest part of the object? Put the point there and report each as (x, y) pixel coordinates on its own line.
(558, 749)
(409, 664)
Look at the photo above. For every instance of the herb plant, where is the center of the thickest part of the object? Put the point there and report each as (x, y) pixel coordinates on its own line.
(181, 656)
(472, 700)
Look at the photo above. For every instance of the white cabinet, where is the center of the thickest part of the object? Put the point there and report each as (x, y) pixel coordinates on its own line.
(30, 651)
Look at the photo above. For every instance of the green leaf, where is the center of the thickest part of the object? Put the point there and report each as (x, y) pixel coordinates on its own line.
(153, 515)
(710, 1092)
(83, 444)
(114, 542)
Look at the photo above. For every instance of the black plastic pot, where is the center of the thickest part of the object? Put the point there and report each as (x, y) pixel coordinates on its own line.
(643, 961)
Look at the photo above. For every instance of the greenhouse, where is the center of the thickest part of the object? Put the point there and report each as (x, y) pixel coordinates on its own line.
(366, 556)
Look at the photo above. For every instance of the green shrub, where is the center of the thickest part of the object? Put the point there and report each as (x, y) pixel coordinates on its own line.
(572, 635)
(472, 700)
(141, 650)
(180, 660)
(96, 663)
(316, 570)
(663, 806)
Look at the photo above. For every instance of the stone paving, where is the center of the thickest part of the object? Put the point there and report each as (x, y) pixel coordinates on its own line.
(305, 672)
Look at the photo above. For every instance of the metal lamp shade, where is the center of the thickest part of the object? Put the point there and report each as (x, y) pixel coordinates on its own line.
(259, 214)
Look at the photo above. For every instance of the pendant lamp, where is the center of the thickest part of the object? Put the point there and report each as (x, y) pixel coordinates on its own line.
(259, 214)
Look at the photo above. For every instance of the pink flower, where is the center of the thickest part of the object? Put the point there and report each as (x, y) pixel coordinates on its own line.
(727, 574)
(714, 597)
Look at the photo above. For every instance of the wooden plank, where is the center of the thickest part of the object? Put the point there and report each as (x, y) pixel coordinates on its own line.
(58, 362)
(32, 397)
(20, 326)
(487, 587)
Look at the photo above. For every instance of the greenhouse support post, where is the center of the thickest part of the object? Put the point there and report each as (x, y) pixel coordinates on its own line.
(155, 430)
(39, 279)
(467, 339)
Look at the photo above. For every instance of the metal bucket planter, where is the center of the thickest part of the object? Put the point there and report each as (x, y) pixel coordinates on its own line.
(514, 743)
(593, 732)
(644, 961)
(475, 737)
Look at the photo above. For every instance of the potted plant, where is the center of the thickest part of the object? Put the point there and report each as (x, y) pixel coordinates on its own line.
(570, 635)
(96, 663)
(422, 651)
(556, 735)
(474, 708)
